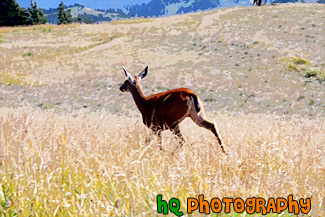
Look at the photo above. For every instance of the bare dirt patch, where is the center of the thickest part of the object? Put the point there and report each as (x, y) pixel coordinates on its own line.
(105, 46)
(210, 19)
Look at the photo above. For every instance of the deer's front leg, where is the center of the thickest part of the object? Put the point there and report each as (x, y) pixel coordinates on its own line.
(155, 132)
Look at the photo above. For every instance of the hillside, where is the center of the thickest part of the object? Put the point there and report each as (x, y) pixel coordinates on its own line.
(255, 60)
(156, 8)
(97, 15)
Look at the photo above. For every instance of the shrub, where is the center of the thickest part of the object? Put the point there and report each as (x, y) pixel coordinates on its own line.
(28, 54)
(300, 61)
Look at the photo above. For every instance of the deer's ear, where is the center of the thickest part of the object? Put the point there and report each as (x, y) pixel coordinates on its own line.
(128, 76)
(143, 74)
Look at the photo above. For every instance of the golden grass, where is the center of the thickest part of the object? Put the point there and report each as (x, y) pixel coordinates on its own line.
(94, 164)
(36, 27)
(131, 21)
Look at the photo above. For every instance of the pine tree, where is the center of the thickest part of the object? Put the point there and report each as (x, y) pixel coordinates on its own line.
(100, 17)
(69, 16)
(61, 15)
(79, 18)
(33, 12)
(64, 16)
(86, 18)
(36, 14)
(11, 14)
(91, 19)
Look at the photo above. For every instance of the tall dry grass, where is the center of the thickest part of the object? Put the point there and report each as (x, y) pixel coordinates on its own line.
(54, 164)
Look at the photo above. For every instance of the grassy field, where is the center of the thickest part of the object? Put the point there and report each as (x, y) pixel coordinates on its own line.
(71, 144)
(99, 163)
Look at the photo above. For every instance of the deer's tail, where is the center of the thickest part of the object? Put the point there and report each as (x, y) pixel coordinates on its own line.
(196, 103)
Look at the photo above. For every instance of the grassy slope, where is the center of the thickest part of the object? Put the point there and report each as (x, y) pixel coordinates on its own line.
(241, 61)
(83, 163)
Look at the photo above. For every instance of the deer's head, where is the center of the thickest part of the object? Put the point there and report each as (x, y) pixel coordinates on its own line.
(131, 83)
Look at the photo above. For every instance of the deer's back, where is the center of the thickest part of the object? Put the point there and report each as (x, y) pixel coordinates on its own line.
(167, 109)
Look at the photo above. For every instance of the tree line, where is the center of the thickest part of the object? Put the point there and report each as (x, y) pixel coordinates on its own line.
(83, 17)
(11, 14)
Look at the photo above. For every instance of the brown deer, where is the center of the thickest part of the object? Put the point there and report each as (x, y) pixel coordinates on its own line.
(167, 110)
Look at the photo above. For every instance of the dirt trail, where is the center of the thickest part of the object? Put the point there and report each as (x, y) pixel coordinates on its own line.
(103, 46)
(208, 20)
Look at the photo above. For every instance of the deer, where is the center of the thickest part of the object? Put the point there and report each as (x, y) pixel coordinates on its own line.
(166, 110)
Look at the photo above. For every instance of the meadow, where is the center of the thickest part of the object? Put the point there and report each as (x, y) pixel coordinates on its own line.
(71, 144)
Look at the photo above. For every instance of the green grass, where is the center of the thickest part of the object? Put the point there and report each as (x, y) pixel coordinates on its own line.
(316, 73)
(47, 29)
(2, 40)
(9, 79)
(303, 67)
(295, 63)
(28, 54)
(300, 98)
(300, 61)
(46, 105)
(311, 102)
(292, 67)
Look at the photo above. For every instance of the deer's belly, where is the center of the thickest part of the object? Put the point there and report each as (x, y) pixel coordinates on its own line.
(155, 123)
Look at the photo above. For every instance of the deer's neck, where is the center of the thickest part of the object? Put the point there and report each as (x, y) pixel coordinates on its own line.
(140, 99)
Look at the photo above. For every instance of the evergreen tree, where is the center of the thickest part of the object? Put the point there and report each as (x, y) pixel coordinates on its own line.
(36, 14)
(86, 18)
(61, 13)
(79, 18)
(41, 17)
(33, 12)
(100, 17)
(11, 14)
(69, 16)
(64, 16)
(91, 19)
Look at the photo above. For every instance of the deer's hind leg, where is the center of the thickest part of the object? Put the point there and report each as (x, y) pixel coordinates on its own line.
(178, 133)
(200, 119)
(180, 137)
